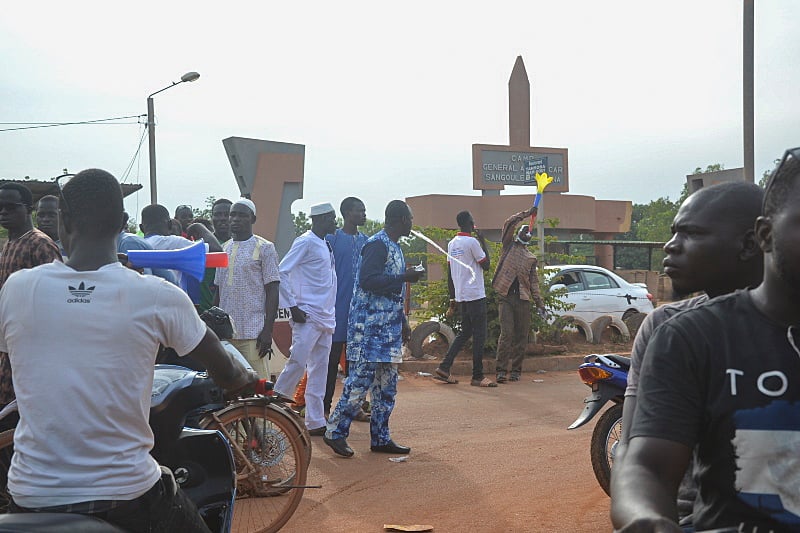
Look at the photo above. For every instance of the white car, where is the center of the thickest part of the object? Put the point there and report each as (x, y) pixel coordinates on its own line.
(596, 292)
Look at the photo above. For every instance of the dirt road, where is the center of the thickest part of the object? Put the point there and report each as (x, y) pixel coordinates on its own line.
(485, 460)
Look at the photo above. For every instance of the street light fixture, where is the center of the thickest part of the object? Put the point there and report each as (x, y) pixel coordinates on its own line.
(151, 130)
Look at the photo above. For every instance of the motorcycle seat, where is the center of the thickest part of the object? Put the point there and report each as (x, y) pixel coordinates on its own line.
(54, 522)
(624, 362)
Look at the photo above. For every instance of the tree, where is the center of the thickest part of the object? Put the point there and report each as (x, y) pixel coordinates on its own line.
(716, 167)
(653, 222)
(766, 174)
(301, 223)
(206, 211)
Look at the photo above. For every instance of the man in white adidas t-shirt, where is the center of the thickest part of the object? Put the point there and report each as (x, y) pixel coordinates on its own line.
(468, 259)
(84, 382)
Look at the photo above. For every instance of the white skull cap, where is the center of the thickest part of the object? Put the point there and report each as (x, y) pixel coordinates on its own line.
(321, 209)
(247, 203)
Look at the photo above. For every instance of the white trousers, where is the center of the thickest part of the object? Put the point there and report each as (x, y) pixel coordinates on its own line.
(311, 347)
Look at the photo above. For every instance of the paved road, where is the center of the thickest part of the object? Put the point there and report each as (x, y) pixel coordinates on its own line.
(483, 460)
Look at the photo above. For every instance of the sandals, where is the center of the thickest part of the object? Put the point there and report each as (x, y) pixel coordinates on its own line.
(501, 377)
(485, 382)
(441, 375)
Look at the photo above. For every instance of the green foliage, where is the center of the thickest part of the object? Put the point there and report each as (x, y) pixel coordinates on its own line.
(649, 222)
(762, 182)
(434, 297)
(653, 222)
(205, 212)
(370, 227)
(301, 223)
(716, 167)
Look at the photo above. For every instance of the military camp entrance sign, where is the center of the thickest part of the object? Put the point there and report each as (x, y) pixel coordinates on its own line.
(495, 166)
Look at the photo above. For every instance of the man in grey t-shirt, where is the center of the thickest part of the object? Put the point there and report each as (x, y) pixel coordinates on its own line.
(712, 250)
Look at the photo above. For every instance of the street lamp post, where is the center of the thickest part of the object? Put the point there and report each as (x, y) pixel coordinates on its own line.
(151, 130)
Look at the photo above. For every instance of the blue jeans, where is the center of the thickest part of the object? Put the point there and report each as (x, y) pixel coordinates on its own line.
(473, 324)
(165, 507)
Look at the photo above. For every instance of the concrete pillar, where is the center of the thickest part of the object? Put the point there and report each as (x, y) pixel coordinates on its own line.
(604, 253)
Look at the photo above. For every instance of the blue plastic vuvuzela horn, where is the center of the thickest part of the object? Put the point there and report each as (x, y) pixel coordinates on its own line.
(190, 260)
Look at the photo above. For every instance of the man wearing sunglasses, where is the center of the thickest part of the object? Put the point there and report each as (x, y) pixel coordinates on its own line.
(722, 381)
(27, 246)
(84, 382)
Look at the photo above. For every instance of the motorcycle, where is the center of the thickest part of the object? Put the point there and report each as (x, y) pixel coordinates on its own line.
(607, 375)
(202, 460)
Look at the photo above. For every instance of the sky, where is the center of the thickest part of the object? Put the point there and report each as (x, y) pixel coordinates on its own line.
(389, 98)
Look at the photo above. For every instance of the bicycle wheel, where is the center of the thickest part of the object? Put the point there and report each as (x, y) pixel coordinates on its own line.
(271, 462)
(299, 423)
(6, 451)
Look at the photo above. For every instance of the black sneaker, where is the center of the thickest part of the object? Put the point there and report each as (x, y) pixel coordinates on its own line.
(391, 447)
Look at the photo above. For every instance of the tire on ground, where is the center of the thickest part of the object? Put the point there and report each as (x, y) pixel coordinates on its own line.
(425, 330)
(599, 325)
(581, 325)
(621, 328)
(607, 321)
(634, 322)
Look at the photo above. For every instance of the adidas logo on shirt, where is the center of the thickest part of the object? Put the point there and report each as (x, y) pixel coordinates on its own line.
(80, 293)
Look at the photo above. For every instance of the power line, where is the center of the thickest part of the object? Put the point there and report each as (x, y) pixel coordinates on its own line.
(99, 122)
(135, 157)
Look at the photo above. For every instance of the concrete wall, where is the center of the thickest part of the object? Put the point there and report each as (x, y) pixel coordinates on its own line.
(696, 182)
(271, 174)
(576, 213)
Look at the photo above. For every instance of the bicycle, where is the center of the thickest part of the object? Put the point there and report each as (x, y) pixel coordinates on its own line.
(272, 451)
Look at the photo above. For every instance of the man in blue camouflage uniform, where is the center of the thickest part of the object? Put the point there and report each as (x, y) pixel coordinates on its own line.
(376, 329)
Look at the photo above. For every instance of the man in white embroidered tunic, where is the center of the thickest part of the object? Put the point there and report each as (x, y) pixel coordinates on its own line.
(248, 287)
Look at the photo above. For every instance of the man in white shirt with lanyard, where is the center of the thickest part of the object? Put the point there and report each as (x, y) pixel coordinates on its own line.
(247, 289)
